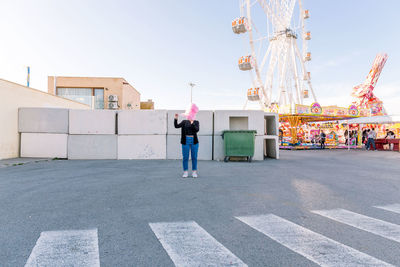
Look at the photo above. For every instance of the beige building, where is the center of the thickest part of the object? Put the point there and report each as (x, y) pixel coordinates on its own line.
(97, 92)
(16, 96)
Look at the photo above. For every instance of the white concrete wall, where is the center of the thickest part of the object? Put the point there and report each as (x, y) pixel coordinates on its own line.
(255, 120)
(247, 120)
(92, 121)
(143, 134)
(142, 122)
(271, 149)
(271, 124)
(43, 120)
(174, 147)
(92, 146)
(43, 145)
(258, 148)
(142, 147)
(238, 120)
(218, 147)
(16, 96)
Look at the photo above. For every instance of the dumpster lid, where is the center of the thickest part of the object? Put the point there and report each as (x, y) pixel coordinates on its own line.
(239, 131)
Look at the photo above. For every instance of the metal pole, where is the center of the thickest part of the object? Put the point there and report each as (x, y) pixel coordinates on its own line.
(55, 85)
(28, 77)
(191, 91)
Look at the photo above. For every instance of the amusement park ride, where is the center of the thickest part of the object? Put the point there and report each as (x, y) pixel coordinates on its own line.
(278, 51)
(363, 93)
(275, 34)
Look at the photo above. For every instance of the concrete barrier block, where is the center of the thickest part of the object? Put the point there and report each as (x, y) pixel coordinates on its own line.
(43, 145)
(238, 120)
(219, 153)
(205, 118)
(259, 148)
(43, 120)
(142, 147)
(271, 123)
(92, 146)
(174, 147)
(143, 122)
(92, 121)
(271, 146)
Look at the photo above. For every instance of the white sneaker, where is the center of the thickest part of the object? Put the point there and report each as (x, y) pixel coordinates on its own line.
(194, 174)
(185, 174)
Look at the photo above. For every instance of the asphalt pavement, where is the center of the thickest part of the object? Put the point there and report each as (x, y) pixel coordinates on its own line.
(309, 208)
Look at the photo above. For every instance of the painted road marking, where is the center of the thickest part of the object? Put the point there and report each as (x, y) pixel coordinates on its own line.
(372, 225)
(188, 244)
(313, 246)
(66, 248)
(393, 208)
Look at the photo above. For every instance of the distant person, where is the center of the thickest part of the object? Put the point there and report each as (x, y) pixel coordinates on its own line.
(350, 141)
(322, 139)
(280, 135)
(189, 140)
(371, 139)
(346, 137)
(366, 142)
(390, 135)
(355, 136)
(364, 136)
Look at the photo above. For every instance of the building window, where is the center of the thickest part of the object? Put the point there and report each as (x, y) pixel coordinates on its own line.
(99, 98)
(94, 97)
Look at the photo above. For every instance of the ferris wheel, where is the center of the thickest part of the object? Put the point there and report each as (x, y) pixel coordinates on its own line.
(276, 38)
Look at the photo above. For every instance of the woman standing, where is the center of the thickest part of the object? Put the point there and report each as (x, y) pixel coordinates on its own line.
(189, 140)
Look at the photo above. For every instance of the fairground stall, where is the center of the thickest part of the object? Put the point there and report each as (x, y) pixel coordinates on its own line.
(301, 128)
(382, 125)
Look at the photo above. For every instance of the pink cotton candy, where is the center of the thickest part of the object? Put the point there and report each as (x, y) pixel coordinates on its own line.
(191, 112)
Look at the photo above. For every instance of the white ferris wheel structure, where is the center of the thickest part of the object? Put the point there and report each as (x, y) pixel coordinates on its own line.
(276, 38)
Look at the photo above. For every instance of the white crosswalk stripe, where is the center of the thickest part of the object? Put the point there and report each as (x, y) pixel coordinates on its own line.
(385, 229)
(313, 246)
(66, 248)
(188, 244)
(393, 207)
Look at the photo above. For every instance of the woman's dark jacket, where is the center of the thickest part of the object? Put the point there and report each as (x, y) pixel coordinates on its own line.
(188, 129)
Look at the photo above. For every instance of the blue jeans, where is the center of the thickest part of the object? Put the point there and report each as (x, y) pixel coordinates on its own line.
(185, 153)
(369, 142)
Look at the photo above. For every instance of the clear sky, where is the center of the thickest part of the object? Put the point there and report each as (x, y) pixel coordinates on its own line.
(161, 45)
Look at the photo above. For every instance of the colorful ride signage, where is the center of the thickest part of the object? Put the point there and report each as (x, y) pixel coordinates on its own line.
(334, 111)
(353, 110)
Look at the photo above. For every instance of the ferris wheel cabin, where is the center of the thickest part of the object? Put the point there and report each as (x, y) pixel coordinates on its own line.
(305, 93)
(246, 63)
(306, 14)
(253, 94)
(308, 56)
(239, 25)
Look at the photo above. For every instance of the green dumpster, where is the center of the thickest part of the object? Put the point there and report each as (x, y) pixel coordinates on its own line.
(239, 144)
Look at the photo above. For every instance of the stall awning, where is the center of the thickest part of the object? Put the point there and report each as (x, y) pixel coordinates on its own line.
(376, 119)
